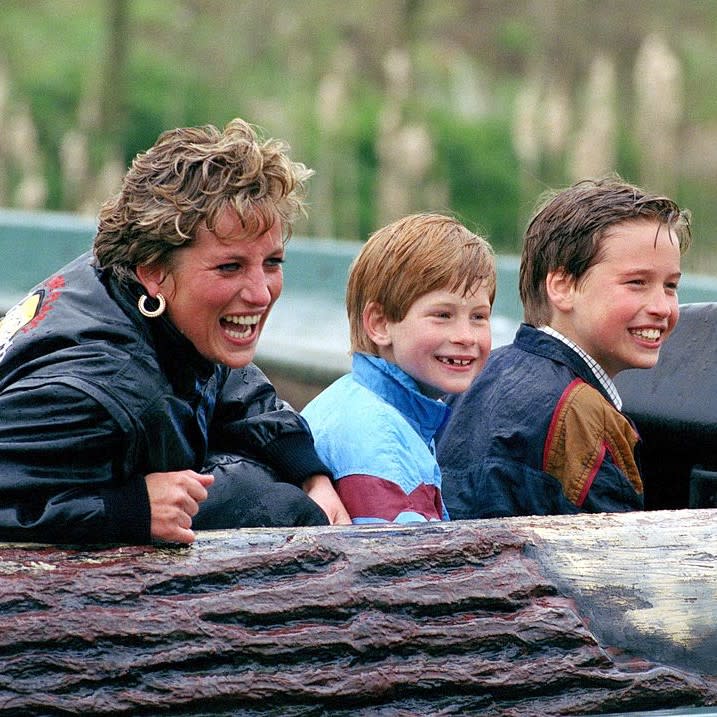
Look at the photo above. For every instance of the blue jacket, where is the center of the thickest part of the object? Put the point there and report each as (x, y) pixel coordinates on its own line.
(375, 430)
(536, 434)
(93, 397)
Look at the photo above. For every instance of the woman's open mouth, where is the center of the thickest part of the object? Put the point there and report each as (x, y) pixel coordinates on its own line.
(240, 327)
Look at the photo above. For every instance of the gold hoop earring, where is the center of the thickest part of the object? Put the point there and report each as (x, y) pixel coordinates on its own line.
(151, 313)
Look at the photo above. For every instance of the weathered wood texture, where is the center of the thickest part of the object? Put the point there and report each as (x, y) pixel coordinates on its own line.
(526, 616)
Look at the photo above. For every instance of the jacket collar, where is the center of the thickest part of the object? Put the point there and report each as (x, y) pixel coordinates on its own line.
(392, 384)
(539, 342)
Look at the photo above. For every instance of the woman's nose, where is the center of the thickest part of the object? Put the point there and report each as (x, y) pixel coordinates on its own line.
(255, 289)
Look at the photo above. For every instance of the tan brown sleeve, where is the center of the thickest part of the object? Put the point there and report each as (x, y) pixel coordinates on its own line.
(584, 427)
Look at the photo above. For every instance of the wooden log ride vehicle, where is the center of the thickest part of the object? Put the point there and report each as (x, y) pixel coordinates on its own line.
(552, 615)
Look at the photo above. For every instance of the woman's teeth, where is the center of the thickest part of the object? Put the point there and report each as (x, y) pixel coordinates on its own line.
(244, 325)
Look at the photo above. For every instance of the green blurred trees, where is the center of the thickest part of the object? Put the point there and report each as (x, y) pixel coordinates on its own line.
(472, 107)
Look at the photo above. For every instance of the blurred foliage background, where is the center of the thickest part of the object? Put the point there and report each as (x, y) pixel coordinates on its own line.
(473, 107)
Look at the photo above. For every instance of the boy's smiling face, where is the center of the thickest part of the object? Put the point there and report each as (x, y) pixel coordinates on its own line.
(625, 306)
(443, 341)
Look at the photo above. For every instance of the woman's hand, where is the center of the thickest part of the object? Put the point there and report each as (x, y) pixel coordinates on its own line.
(320, 489)
(174, 500)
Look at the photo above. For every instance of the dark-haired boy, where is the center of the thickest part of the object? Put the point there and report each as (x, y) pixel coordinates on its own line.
(540, 430)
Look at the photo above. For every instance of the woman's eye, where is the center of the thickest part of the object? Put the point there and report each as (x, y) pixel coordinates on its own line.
(275, 261)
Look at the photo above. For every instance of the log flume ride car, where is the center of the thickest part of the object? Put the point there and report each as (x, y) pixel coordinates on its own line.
(571, 615)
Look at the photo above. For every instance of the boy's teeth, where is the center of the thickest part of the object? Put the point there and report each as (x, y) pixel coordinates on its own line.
(649, 334)
(455, 362)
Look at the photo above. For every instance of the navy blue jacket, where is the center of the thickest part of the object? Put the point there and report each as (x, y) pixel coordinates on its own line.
(536, 434)
(93, 397)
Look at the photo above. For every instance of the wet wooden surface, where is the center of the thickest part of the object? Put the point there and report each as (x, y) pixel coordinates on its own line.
(524, 616)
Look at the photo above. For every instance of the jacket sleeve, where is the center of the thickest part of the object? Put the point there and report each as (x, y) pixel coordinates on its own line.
(250, 419)
(590, 449)
(63, 470)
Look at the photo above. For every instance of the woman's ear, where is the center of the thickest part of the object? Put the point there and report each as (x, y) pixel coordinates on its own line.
(560, 287)
(152, 277)
(375, 324)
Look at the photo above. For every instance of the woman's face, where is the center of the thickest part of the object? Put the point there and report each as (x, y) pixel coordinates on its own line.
(220, 289)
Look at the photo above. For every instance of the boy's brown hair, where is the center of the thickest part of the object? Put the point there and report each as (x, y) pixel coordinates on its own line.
(409, 258)
(566, 233)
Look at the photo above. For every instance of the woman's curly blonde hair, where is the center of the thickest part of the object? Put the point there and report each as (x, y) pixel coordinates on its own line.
(189, 176)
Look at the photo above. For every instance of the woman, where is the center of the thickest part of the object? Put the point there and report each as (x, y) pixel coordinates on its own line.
(129, 407)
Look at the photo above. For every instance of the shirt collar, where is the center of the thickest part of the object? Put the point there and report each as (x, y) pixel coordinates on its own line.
(605, 381)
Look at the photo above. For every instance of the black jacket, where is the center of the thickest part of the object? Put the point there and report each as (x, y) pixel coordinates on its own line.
(93, 397)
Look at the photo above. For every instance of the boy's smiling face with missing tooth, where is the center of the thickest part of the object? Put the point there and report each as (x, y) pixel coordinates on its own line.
(443, 341)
